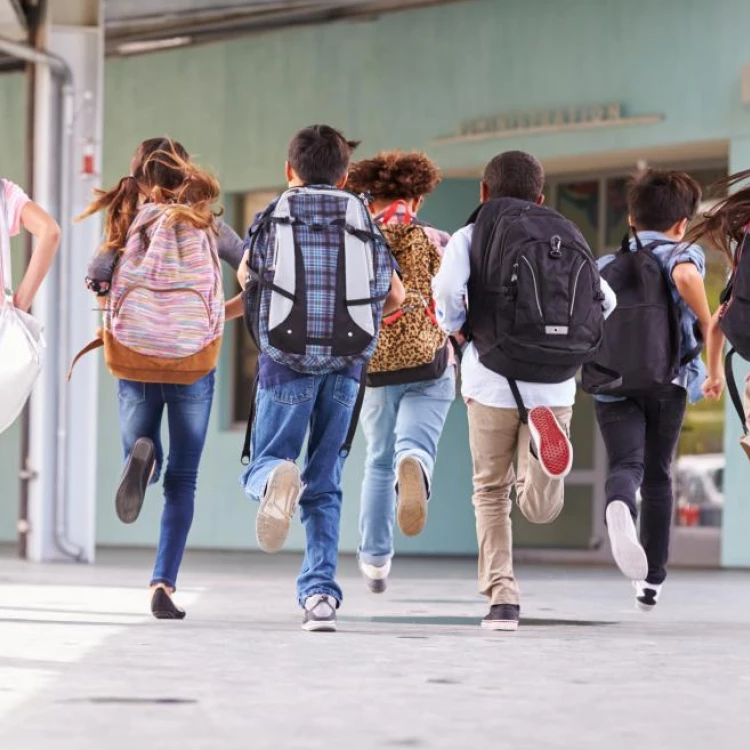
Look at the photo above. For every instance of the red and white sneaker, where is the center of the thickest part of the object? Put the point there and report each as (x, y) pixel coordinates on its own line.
(549, 443)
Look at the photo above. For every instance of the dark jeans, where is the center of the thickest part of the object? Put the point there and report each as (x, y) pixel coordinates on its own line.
(319, 408)
(188, 410)
(641, 437)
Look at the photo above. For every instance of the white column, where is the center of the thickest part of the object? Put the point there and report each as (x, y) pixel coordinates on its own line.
(62, 502)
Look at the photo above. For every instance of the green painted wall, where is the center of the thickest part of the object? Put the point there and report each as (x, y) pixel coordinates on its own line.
(400, 81)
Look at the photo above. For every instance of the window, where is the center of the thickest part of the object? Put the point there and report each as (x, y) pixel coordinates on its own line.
(245, 351)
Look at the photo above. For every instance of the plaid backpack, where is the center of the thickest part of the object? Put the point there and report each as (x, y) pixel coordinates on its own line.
(319, 273)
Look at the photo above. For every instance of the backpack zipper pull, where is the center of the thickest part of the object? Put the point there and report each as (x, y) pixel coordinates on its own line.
(556, 245)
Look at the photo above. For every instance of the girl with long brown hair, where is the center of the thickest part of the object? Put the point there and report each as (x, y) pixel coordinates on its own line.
(163, 216)
(726, 226)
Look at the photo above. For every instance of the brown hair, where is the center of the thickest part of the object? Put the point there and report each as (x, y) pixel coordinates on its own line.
(319, 154)
(659, 198)
(392, 175)
(726, 223)
(163, 172)
(514, 174)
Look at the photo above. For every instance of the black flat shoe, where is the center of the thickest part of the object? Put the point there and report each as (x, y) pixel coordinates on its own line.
(131, 491)
(163, 608)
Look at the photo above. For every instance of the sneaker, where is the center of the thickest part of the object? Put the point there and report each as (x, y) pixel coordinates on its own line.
(162, 606)
(646, 595)
(549, 443)
(376, 576)
(411, 505)
(277, 506)
(623, 539)
(502, 617)
(745, 444)
(131, 492)
(320, 614)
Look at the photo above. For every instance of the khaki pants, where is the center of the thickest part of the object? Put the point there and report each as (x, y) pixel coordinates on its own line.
(495, 435)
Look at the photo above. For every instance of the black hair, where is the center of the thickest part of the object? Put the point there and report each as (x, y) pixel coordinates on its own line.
(659, 198)
(319, 154)
(514, 174)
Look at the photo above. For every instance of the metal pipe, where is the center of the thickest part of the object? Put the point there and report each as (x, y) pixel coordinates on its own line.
(65, 116)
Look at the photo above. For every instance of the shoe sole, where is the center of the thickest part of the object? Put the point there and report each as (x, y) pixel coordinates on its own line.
(641, 607)
(745, 443)
(376, 585)
(131, 491)
(504, 625)
(319, 627)
(283, 492)
(552, 445)
(412, 497)
(627, 552)
(166, 614)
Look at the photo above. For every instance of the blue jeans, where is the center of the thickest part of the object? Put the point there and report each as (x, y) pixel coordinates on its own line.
(285, 412)
(398, 421)
(188, 410)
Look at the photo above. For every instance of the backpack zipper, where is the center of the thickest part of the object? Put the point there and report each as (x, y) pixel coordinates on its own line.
(575, 287)
(160, 291)
(536, 289)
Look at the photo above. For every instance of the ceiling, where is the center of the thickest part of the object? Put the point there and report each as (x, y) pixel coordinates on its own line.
(134, 26)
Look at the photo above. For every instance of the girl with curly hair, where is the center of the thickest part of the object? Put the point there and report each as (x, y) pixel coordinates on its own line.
(411, 378)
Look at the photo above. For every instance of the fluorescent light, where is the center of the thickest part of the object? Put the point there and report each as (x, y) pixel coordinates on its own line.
(138, 48)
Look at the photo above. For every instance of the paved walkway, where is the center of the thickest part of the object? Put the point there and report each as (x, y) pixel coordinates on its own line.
(82, 667)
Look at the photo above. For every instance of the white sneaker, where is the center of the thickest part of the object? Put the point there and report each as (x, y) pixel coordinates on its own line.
(277, 506)
(376, 576)
(646, 595)
(623, 538)
(320, 614)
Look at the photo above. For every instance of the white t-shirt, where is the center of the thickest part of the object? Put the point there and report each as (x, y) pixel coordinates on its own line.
(477, 381)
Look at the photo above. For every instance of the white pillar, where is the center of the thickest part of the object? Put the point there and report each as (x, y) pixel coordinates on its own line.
(62, 501)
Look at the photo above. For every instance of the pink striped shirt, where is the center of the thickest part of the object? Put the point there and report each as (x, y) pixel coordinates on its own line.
(15, 200)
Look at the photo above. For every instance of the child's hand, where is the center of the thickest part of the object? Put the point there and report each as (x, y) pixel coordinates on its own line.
(713, 387)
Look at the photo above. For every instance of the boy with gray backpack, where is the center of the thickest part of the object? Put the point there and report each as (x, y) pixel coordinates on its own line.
(520, 282)
(318, 277)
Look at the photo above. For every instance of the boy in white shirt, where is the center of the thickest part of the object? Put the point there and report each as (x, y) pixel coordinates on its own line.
(496, 425)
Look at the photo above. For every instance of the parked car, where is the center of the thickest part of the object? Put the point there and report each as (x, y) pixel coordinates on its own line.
(699, 489)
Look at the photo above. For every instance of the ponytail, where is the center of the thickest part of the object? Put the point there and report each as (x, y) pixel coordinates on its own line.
(121, 203)
(726, 224)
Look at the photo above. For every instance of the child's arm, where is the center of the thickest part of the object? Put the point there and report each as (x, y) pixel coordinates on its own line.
(689, 282)
(449, 286)
(716, 379)
(234, 308)
(396, 296)
(47, 232)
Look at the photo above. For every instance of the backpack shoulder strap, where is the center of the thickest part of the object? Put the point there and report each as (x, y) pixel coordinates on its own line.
(734, 393)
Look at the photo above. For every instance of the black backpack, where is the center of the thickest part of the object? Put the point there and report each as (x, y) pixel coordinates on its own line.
(642, 339)
(534, 297)
(734, 321)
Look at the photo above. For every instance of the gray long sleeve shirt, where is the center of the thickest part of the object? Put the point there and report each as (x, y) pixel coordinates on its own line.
(228, 243)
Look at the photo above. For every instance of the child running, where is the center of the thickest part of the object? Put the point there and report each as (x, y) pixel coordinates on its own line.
(22, 212)
(505, 268)
(411, 378)
(641, 428)
(318, 277)
(158, 279)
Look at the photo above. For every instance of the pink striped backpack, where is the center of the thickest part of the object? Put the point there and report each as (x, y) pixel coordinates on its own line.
(165, 315)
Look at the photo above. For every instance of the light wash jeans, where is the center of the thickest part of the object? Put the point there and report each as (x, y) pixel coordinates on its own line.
(319, 407)
(397, 421)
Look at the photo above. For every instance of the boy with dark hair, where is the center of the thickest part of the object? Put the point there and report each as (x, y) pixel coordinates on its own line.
(641, 425)
(511, 413)
(317, 277)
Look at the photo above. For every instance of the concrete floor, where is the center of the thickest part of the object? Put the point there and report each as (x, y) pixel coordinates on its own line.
(82, 666)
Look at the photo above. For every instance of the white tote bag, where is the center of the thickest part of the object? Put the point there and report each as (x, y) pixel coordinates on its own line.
(21, 341)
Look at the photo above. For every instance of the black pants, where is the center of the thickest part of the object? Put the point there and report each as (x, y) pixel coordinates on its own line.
(641, 437)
